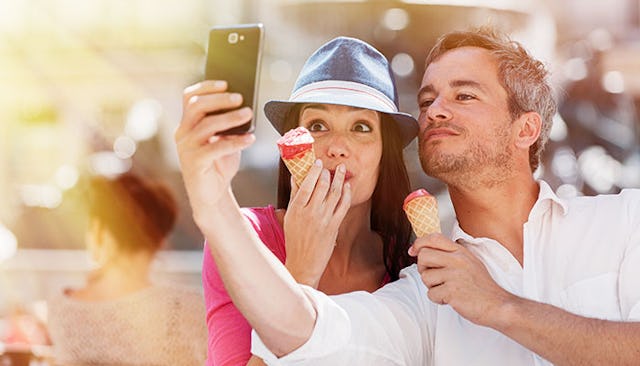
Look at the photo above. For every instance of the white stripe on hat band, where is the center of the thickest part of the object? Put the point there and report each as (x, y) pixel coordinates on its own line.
(341, 86)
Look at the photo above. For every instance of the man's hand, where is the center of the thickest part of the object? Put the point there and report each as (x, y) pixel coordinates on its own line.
(209, 161)
(457, 278)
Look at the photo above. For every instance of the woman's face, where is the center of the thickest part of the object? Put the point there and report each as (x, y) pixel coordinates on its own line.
(347, 135)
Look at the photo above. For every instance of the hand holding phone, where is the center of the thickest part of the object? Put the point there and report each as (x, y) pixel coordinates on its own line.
(234, 55)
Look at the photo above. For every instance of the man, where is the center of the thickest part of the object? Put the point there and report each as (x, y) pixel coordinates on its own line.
(527, 279)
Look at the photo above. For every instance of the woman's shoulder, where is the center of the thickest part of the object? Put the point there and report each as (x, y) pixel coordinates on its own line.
(267, 223)
(262, 214)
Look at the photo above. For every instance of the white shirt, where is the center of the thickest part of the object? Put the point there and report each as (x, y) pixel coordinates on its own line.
(580, 254)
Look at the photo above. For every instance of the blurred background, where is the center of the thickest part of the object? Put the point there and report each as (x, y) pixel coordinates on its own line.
(94, 87)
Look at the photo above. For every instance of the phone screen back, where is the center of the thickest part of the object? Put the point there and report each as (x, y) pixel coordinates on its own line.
(234, 56)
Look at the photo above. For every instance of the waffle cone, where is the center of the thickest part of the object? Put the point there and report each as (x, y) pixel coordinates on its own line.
(423, 215)
(299, 166)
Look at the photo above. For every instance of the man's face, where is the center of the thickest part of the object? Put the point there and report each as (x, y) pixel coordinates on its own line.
(465, 126)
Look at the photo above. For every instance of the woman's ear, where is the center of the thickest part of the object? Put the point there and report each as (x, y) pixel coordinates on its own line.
(528, 126)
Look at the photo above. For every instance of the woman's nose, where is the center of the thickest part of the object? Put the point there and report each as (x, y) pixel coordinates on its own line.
(338, 146)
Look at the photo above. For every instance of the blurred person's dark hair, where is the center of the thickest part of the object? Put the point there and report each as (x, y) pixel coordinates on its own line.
(138, 213)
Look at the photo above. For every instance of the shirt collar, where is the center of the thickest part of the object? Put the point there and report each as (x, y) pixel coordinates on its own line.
(546, 200)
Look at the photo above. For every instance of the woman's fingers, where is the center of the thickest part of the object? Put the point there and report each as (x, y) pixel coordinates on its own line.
(335, 192)
(306, 189)
(320, 192)
(321, 189)
(344, 204)
(294, 188)
(319, 197)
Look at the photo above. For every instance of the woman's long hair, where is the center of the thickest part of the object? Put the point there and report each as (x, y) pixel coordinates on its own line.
(387, 217)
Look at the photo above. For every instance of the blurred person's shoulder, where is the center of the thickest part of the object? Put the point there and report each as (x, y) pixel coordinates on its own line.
(182, 295)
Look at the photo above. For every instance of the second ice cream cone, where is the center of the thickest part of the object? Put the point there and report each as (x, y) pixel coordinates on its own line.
(422, 210)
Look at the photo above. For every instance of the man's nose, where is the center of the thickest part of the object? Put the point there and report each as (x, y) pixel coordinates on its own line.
(438, 110)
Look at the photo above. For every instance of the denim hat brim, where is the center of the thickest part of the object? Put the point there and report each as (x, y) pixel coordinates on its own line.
(277, 110)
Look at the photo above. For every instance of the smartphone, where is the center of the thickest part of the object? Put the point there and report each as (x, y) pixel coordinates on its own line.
(234, 55)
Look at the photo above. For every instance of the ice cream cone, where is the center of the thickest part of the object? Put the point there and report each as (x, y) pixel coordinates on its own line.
(422, 210)
(296, 150)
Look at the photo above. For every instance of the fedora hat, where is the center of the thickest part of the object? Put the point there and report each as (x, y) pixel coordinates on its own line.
(346, 71)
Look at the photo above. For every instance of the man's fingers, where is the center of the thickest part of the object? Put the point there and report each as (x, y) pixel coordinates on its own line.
(439, 294)
(211, 125)
(433, 277)
(200, 106)
(227, 145)
(433, 241)
(203, 87)
(433, 258)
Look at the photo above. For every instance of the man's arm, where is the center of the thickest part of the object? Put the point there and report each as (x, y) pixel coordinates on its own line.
(564, 338)
(568, 339)
(392, 326)
(254, 277)
(456, 277)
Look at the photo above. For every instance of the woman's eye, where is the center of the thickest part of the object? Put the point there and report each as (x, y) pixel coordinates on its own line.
(361, 127)
(316, 126)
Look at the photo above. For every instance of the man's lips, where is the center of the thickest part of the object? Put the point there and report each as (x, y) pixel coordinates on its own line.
(439, 133)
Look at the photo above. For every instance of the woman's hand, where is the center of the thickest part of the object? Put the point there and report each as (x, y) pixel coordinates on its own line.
(316, 210)
(208, 161)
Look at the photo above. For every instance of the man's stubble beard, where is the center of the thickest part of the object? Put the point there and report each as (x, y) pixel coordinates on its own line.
(477, 166)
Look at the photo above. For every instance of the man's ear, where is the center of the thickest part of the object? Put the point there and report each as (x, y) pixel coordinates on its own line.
(528, 126)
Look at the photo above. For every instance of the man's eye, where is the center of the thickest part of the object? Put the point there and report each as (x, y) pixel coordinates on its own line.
(426, 103)
(465, 97)
(316, 126)
(361, 127)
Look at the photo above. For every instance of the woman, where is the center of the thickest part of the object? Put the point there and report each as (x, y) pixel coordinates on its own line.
(343, 229)
(120, 317)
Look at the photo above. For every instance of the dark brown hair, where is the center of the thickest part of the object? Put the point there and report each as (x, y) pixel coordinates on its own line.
(524, 78)
(387, 217)
(138, 213)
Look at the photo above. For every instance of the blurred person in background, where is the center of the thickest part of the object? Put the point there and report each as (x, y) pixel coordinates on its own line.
(120, 317)
(337, 234)
(526, 277)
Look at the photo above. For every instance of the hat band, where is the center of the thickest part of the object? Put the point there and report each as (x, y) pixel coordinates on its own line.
(344, 93)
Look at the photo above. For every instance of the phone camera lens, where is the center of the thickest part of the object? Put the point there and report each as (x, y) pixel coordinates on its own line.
(233, 38)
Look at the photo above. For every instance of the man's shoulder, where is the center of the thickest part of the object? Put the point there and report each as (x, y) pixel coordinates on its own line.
(627, 202)
(626, 196)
